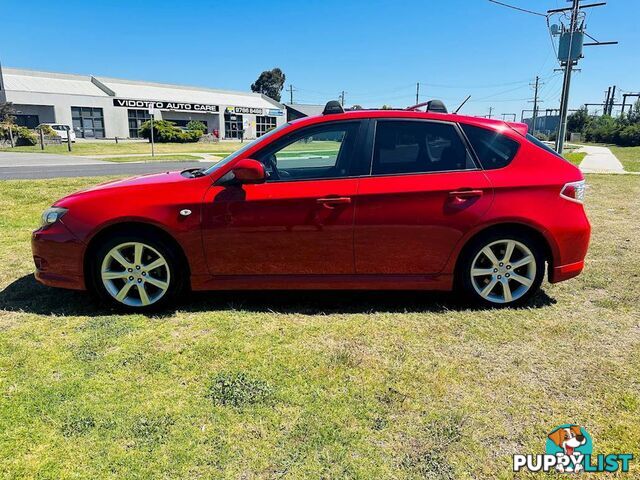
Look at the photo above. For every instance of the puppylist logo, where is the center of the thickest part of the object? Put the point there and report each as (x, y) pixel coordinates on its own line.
(569, 450)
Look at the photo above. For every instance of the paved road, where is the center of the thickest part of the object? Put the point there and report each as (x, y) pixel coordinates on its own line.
(7, 173)
(599, 160)
(40, 165)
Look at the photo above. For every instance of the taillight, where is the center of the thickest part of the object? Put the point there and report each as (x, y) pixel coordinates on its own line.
(573, 191)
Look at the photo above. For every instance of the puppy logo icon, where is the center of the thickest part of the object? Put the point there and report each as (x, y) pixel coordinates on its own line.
(569, 449)
(572, 442)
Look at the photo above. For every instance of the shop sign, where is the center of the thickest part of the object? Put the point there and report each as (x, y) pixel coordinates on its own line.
(164, 105)
(245, 110)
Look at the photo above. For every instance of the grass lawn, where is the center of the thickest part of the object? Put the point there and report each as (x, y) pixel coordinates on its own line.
(575, 158)
(157, 158)
(108, 147)
(628, 156)
(315, 385)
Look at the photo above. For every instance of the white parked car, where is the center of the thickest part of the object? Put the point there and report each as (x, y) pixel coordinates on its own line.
(62, 131)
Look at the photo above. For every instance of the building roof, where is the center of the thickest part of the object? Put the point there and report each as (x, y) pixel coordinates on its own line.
(44, 82)
(305, 109)
(72, 84)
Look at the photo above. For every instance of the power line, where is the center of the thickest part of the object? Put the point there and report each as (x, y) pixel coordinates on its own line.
(518, 8)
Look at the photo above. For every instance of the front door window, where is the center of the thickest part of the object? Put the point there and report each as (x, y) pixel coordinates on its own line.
(313, 153)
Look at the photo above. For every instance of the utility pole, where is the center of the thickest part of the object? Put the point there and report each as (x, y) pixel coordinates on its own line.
(569, 52)
(342, 98)
(606, 101)
(612, 100)
(535, 105)
(566, 83)
(417, 93)
(490, 110)
(290, 93)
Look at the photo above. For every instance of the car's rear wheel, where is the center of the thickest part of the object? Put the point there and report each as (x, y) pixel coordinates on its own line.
(502, 269)
(136, 272)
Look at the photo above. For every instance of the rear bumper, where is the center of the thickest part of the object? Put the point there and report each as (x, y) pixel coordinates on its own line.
(58, 257)
(572, 242)
(565, 272)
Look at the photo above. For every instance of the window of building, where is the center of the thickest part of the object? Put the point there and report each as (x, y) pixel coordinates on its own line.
(418, 147)
(232, 125)
(493, 149)
(312, 153)
(264, 124)
(88, 122)
(29, 121)
(137, 118)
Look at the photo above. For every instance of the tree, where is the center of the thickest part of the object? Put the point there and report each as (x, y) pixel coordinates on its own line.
(577, 121)
(270, 83)
(6, 112)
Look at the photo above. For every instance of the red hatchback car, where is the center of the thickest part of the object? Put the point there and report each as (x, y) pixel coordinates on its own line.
(367, 199)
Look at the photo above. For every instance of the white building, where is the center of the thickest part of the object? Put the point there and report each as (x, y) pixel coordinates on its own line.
(100, 107)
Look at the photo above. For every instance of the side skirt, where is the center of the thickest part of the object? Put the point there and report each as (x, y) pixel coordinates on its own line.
(442, 282)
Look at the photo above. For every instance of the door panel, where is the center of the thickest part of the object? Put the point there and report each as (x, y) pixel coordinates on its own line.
(409, 224)
(303, 227)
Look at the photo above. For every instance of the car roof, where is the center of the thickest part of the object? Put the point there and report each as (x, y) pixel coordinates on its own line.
(494, 124)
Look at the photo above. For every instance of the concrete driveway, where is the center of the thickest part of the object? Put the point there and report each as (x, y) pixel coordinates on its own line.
(599, 160)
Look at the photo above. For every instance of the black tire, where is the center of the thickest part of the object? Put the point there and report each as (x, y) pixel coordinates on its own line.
(174, 273)
(471, 253)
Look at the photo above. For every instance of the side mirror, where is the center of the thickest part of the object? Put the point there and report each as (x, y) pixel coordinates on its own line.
(249, 171)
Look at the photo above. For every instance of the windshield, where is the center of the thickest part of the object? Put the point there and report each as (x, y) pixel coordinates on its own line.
(542, 145)
(237, 153)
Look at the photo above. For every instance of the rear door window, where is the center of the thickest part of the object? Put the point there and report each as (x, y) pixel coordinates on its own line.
(493, 149)
(418, 147)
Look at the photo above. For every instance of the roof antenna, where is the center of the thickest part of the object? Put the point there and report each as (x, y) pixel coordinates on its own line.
(460, 106)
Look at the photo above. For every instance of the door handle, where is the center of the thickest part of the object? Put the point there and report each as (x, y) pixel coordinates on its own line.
(461, 194)
(329, 202)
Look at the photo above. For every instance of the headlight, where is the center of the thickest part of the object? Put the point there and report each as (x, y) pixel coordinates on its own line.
(52, 215)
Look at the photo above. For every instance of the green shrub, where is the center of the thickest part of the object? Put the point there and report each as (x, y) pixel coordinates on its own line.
(25, 137)
(196, 125)
(604, 129)
(630, 136)
(541, 136)
(5, 137)
(167, 132)
(46, 130)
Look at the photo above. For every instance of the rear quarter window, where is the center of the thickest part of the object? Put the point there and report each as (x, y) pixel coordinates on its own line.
(493, 149)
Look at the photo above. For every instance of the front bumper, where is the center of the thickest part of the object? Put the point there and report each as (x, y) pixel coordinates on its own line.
(58, 257)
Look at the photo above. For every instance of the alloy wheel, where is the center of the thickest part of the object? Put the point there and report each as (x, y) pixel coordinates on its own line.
(503, 271)
(135, 274)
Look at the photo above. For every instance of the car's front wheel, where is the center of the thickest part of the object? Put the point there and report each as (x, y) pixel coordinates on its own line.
(136, 272)
(502, 269)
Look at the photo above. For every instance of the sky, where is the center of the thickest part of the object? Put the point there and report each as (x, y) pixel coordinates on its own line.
(374, 50)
